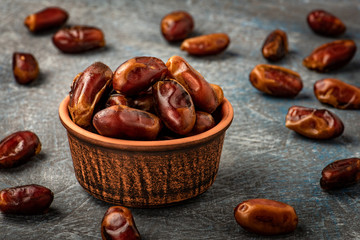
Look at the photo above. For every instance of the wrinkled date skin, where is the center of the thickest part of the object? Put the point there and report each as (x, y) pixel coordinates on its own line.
(203, 95)
(27, 199)
(18, 148)
(266, 217)
(177, 26)
(314, 123)
(138, 74)
(276, 81)
(330, 56)
(86, 92)
(48, 18)
(210, 44)
(25, 68)
(337, 93)
(204, 121)
(78, 39)
(118, 224)
(116, 99)
(174, 106)
(341, 173)
(326, 24)
(124, 122)
(275, 46)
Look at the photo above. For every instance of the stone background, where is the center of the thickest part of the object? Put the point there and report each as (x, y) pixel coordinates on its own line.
(261, 158)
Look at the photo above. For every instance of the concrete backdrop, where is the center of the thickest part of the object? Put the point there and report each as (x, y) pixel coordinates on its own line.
(261, 158)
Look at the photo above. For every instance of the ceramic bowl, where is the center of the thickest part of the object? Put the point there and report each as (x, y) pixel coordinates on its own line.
(146, 173)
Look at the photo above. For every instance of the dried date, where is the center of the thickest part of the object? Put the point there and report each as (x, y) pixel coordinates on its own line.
(266, 217)
(124, 122)
(204, 121)
(337, 93)
(210, 44)
(78, 39)
(330, 56)
(341, 173)
(118, 224)
(25, 68)
(116, 99)
(276, 46)
(18, 148)
(219, 93)
(325, 23)
(143, 102)
(48, 18)
(202, 93)
(177, 26)
(27, 199)
(138, 74)
(174, 106)
(276, 81)
(86, 92)
(314, 123)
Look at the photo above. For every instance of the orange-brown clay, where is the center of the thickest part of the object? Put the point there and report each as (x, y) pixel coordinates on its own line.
(146, 173)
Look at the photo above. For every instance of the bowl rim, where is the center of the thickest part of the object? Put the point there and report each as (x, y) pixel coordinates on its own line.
(227, 113)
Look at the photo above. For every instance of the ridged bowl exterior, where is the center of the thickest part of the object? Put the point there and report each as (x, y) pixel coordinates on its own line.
(146, 173)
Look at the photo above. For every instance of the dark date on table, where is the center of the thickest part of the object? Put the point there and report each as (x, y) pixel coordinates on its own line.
(314, 123)
(266, 217)
(340, 174)
(337, 93)
(331, 56)
(276, 81)
(325, 23)
(18, 148)
(118, 224)
(276, 45)
(27, 199)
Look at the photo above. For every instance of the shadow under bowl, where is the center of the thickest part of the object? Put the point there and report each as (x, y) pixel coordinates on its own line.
(146, 173)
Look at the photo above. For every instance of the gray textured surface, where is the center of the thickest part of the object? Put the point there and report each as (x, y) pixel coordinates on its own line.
(261, 158)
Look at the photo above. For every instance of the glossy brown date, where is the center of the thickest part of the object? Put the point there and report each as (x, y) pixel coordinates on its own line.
(18, 148)
(25, 68)
(116, 99)
(138, 74)
(314, 123)
(123, 122)
(210, 44)
(202, 94)
(330, 56)
(276, 46)
(266, 217)
(118, 224)
(325, 23)
(204, 121)
(86, 91)
(177, 26)
(276, 81)
(78, 39)
(219, 93)
(51, 17)
(341, 173)
(27, 199)
(174, 106)
(337, 93)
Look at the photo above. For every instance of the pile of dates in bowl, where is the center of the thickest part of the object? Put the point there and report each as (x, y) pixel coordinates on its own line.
(148, 135)
(144, 99)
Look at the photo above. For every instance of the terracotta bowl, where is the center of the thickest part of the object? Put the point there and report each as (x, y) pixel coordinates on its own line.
(146, 173)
